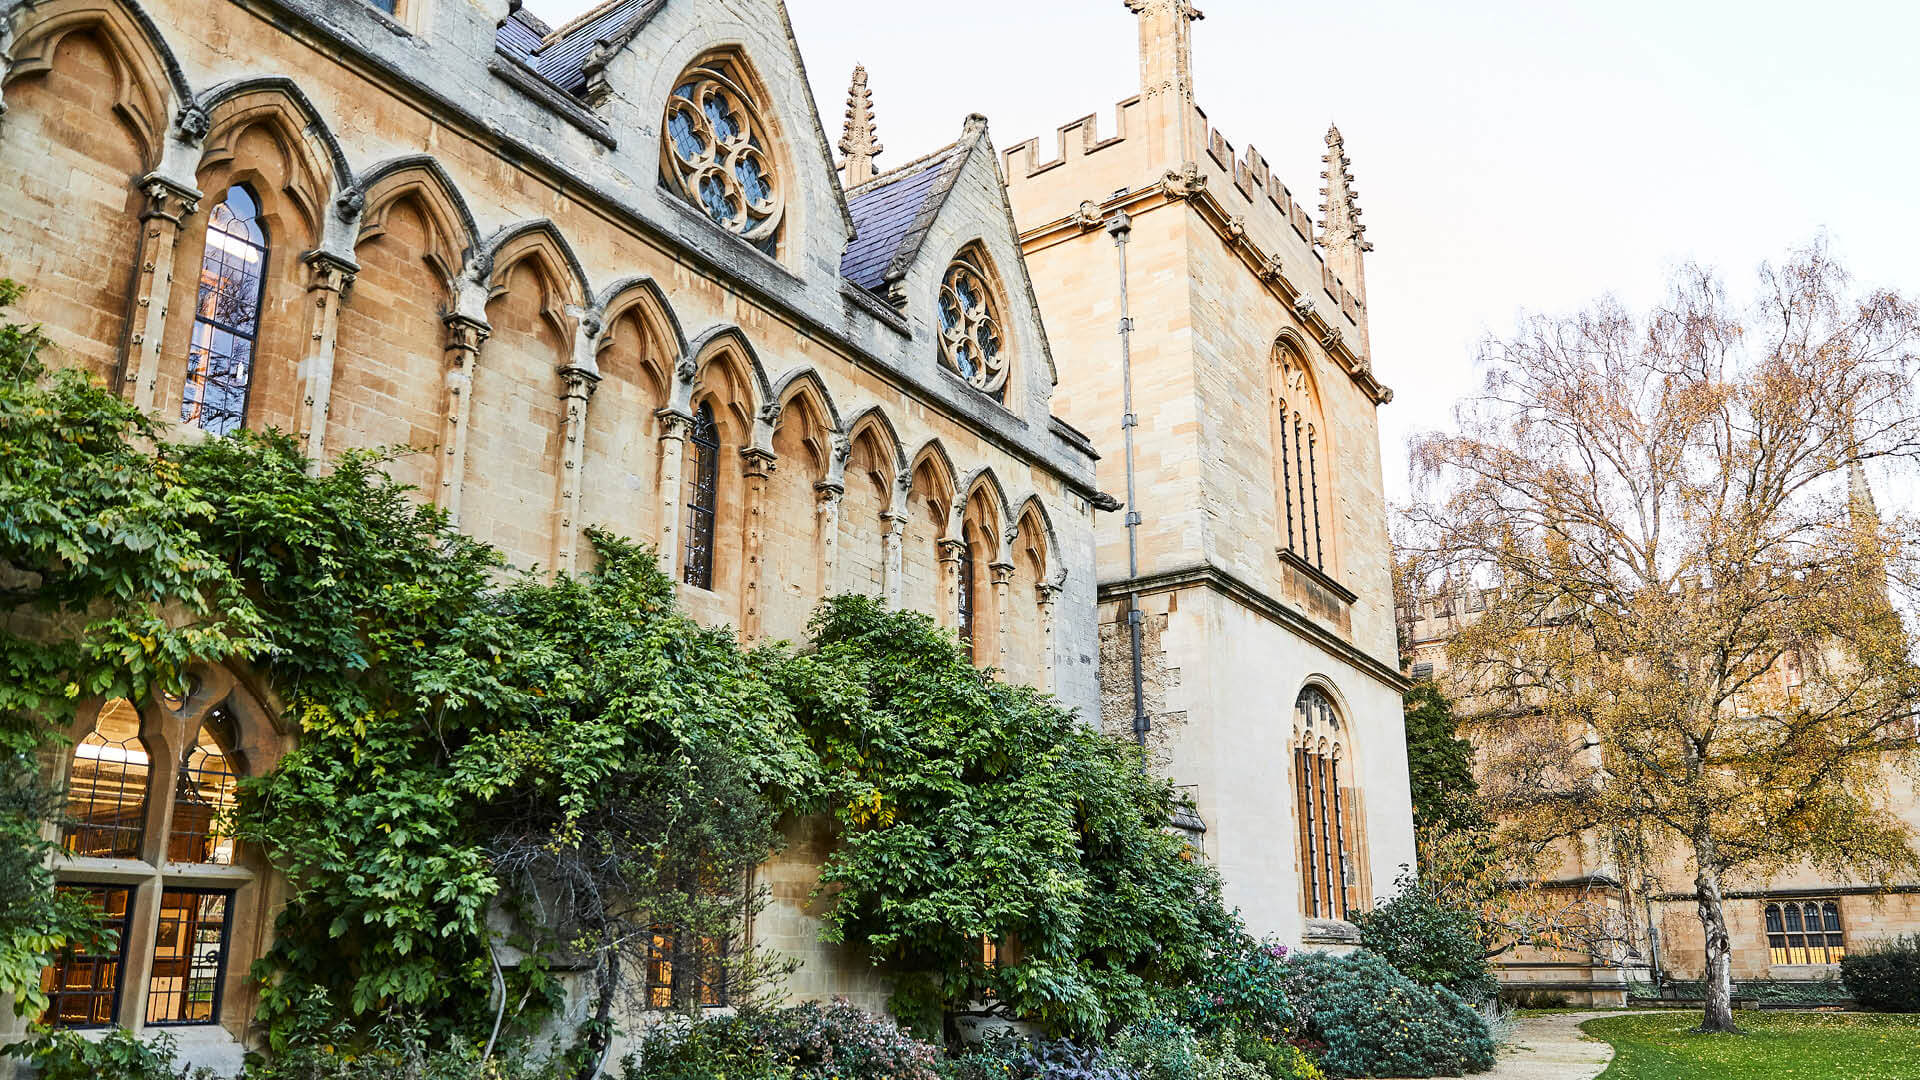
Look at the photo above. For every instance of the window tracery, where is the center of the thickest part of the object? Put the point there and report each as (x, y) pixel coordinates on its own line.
(1298, 441)
(226, 317)
(204, 799)
(703, 475)
(107, 788)
(971, 343)
(717, 153)
(1328, 875)
(1805, 933)
(83, 983)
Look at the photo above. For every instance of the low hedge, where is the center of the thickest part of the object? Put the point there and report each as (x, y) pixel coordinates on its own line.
(1374, 1021)
(1885, 976)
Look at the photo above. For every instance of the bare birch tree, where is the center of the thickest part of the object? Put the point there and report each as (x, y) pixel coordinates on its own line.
(1691, 632)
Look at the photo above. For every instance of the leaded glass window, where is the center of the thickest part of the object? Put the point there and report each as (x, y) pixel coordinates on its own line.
(1327, 871)
(203, 800)
(83, 983)
(189, 957)
(703, 476)
(701, 973)
(717, 153)
(971, 343)
(226, 316)
(1297, 440)
(1805, 932)
(107, 788)
(965, 595)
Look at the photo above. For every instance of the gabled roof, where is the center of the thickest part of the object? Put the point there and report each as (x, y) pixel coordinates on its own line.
(891, 215)
(560, 55)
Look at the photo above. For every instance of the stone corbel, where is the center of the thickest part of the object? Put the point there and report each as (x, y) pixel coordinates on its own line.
(1184, 182)
(329, 280)
(167, 205)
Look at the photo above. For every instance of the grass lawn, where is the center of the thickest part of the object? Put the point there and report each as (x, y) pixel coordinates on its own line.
(1777, 1046)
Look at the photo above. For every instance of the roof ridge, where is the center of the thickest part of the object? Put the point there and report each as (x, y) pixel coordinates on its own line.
(898, 171)
(575, 23)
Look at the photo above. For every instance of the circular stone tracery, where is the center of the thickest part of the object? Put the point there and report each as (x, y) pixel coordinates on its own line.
(970, 341)
(717, 158)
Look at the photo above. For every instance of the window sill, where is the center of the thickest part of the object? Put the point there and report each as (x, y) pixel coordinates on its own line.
(1330, 932)
(1316, 575)
(92, 868)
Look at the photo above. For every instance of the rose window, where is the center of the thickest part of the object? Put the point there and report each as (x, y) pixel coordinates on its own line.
(717, 155)
(970, 341)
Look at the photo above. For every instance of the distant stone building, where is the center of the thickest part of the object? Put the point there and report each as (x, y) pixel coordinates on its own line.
(1640, 924)
(1268, 663)
(602, 275)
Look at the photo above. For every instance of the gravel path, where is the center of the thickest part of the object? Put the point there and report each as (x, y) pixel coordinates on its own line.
(1552, 1048)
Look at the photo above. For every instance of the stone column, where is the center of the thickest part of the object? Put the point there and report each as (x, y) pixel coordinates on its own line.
(1002, 585)
(329, 277)
(1047, 595)
(465, 335)
(577, 389)
(829, 508)
(893, 525)
(756, 467)
(167, 204)
(951, 552)
(674, 429)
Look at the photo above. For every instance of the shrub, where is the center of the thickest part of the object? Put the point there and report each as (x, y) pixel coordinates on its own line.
(1374, 1021)
(1242, 986)
(806, 1042)
(1431, 941)
(1885, 977)
(1006, 1055)
(65, 1055)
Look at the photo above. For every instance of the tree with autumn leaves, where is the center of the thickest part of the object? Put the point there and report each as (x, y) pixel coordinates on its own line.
(1692, 630)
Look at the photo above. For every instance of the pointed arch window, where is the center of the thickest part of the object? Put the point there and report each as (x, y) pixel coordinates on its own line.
(1805, 932)
(718, 152)
(1329, 875)
(971, 343)
(1300, 470)
(226, 316)
(204, 798)
(703, 477)
(107, 788)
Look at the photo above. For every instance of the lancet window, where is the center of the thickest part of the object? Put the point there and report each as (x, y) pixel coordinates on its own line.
(1328, 873)
(1806, 932)
(1301, 474)
(971, 343)
(965, 596)
(718, 155)
(703, 476)
(107, 788)
(226, 316)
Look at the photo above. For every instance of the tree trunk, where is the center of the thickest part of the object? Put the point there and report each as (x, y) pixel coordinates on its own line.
(1718, 980)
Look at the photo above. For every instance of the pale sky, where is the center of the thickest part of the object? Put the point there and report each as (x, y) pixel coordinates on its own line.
(1510, 156)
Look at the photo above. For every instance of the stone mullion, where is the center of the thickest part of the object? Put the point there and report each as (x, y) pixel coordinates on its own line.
(675, 427)
(756, 468)
(465, 335)
(167, 204)
(329, 279)
(578, 385)
(1002, 589)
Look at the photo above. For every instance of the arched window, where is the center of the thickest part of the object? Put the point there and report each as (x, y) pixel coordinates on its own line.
(1805, 932)
(717, 152)
(970, 340)
(1299, 451)
(107, 789)
(203, 800)
(226, 317)
(703, 475)
(965, 595)
(1329, 877)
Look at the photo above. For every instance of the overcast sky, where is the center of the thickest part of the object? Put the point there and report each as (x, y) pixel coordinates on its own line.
(1510, 156)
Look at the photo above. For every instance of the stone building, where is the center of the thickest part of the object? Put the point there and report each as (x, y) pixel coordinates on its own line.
(600, 274)
(1637, 923)
(1270, 678)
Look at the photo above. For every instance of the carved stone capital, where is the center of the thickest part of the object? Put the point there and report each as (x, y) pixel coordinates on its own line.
(1045, 593)
(166, 199)
(329, 272)
(465, 334)
(952, 550)
(829, 493)
(673, 424)
(578, 383)
(1002, 572)
(757, 464)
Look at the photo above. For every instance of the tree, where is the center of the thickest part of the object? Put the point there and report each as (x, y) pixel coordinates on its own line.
(1689, 635)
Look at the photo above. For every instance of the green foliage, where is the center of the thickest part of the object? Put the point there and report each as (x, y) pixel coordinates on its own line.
(1439, 765)
(1006, 1055)
(1885, 976)
(1429, 940)
(1374, 1021)
(67, 1055)
(807, 1042)
(972, 810)
(1162, 1049)
(1242, 987)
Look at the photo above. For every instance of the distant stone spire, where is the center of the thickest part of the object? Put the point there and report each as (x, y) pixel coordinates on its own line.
(858, 142)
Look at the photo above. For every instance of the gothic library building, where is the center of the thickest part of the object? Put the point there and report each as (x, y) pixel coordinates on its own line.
(611, 275)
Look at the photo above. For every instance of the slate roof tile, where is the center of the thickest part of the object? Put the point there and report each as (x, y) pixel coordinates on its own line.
(885, 211)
